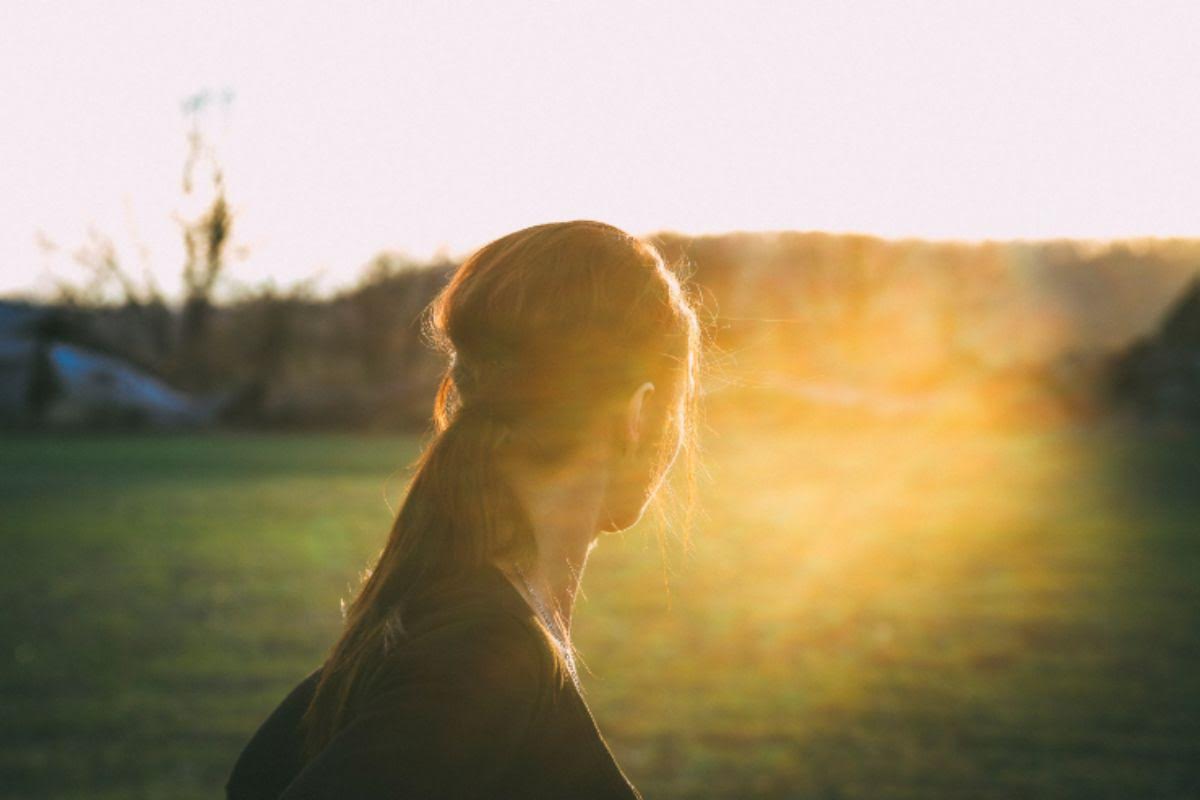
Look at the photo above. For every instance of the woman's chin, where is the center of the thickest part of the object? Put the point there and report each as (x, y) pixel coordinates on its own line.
(622, 522)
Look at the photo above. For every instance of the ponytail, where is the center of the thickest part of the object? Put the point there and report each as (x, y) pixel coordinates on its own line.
(459, 511)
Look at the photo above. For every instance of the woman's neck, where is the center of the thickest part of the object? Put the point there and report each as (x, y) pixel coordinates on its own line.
(564, 510)
(557, 576)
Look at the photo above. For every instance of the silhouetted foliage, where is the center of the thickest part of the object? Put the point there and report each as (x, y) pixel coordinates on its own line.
(818, 318)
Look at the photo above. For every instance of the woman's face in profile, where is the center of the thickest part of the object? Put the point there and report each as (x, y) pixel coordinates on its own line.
(637, 475)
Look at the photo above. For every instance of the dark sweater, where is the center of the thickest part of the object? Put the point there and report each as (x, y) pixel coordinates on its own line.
(473, 703)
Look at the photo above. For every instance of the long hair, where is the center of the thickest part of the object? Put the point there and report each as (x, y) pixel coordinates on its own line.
(543, 329)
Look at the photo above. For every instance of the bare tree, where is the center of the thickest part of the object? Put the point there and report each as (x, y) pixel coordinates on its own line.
(205, 240)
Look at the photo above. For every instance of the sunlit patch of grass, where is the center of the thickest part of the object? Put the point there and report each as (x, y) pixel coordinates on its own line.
(905, 611)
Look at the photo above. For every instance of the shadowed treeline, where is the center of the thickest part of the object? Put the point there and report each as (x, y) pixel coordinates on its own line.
(809, 322)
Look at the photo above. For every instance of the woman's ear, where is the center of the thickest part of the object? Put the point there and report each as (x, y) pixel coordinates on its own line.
(635, 417)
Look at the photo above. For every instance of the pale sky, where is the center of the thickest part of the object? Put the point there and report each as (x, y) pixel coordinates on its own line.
(359, 127)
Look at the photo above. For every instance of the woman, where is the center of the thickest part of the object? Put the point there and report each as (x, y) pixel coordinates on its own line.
(570, 392)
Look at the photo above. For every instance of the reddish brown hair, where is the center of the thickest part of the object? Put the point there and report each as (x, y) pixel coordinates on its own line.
(545, 329)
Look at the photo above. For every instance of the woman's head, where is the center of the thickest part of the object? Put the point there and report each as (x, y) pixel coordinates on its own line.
(568, 344)
(567, 340)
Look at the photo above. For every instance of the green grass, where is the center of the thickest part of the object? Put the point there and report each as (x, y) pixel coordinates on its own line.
(880, 613)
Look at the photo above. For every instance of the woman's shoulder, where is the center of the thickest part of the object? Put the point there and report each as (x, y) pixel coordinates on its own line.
(274, 754)
(467, 627)
(483, 633)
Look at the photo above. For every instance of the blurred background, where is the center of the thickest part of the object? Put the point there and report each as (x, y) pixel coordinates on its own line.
(949, 261)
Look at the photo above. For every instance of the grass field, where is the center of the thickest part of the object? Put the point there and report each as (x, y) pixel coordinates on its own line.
(877, 613)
